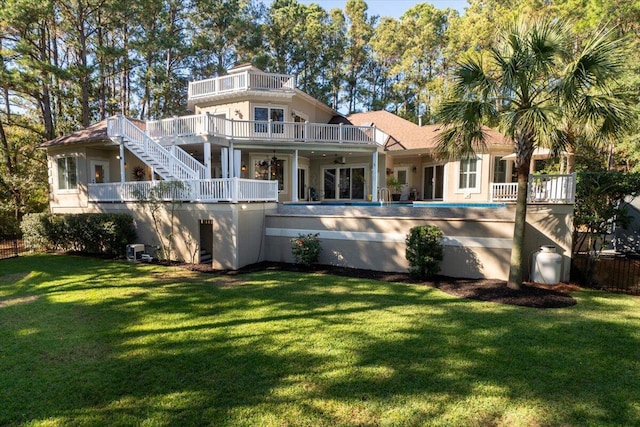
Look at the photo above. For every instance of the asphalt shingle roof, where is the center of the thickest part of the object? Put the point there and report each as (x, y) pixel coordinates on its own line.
(409, 136)
(97, 132)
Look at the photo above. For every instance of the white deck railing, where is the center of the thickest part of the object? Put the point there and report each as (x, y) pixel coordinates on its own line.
(200, 190)
(504, 191)
(542, 188)
(239, 82)
(552, 188)
(247, 130)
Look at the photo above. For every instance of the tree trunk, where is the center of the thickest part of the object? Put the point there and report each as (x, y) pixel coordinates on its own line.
(517, 250)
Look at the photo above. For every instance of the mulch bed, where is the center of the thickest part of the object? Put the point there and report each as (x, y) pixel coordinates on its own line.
(530, 295)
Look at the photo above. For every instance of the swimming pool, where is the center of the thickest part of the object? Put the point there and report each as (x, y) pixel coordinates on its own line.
(477, 205)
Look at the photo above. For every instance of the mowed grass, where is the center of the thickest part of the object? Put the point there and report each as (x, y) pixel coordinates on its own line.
(86, 342)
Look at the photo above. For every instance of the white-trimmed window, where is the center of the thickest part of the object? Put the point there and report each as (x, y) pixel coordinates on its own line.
(265, 114)
(67, 173)
(469, 174)
(401, 174)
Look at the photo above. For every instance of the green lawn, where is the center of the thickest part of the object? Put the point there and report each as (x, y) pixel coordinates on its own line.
(89, 342)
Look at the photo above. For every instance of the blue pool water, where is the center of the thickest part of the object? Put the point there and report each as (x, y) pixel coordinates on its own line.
(481, 205)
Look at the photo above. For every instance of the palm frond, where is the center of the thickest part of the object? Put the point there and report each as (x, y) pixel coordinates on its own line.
(598, 65)
(460, 141)
(471, 78)
(608, 114)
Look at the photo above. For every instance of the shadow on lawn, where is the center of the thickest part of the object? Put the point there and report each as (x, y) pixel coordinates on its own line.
(279, 343)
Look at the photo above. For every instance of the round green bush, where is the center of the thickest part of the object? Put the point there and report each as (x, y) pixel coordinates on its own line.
(424, 251)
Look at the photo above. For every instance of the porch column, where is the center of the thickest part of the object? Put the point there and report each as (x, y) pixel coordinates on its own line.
(230, 162)
(294, 176)
(207, 160)
(237, 162)
(123, 177)
(374, 176)
(224, 162)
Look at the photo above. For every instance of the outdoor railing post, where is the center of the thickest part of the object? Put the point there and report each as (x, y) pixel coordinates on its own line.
(340, 127)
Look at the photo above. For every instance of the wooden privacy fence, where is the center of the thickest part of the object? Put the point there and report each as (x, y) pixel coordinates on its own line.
(10, 248)
(616, 273)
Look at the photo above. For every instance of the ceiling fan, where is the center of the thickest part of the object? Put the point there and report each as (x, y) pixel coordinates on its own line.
(339, 160)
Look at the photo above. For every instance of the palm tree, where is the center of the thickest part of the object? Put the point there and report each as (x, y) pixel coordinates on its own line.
(527, 84)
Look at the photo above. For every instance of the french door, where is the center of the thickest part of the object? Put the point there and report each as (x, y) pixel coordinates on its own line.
(433, 182)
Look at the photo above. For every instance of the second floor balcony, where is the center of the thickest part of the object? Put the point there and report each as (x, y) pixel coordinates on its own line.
(182, 129)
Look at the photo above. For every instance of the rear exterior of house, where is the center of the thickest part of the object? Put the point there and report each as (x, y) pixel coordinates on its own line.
(259, 160)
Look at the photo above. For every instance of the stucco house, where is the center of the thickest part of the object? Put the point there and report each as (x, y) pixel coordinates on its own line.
(262, 161)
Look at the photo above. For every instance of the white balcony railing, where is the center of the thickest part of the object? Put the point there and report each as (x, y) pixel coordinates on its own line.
(201, 190)
(239, 82)
(504, 191)
(545, 188)
(542, 188)
(247, 130)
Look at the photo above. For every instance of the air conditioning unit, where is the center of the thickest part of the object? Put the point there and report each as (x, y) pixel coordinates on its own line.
(135, 251)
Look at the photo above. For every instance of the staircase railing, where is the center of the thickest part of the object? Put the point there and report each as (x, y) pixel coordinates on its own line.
(189, 160)
(165, 164)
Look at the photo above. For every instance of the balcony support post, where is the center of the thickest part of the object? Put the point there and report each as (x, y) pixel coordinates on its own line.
(121, 156)
(294, 176)
(207, 160)
(224, 160)
(230, 162)
(374, 176)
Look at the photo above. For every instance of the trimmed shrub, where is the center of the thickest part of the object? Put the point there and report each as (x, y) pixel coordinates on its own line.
(34, 231)
(306, 249)
(424, 251)
(86, 233)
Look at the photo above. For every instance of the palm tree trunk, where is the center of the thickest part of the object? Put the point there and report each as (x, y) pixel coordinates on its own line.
(517, 248)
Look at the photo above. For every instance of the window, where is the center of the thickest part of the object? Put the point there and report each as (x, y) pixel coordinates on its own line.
(469, 171)
(264, 114)
(499, 170)
(270, 169)
(402, 175)
(67, 174)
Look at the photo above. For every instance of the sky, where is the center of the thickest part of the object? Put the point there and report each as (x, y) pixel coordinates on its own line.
(392, 8)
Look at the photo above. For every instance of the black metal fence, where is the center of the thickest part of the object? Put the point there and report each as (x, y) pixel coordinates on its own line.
(615, 273)
(10, 248)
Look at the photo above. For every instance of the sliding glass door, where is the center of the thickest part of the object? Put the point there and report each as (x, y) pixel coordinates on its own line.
(344, 183)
